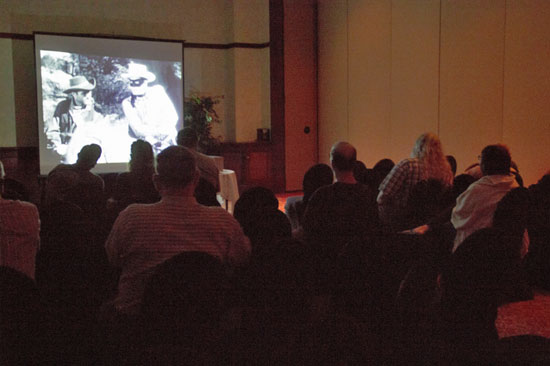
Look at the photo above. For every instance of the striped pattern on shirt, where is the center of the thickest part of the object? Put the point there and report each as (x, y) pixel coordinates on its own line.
(19, 235)
(145, 235)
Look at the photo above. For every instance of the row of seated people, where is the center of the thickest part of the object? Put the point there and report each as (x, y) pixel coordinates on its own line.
(350, 290)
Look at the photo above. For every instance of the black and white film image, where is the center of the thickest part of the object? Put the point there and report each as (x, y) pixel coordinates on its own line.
(109, 101)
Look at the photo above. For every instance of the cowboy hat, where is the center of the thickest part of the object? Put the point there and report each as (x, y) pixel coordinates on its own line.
(139, 71)
(79, 83)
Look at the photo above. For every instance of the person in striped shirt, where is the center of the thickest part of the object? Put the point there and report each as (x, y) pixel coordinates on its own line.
(145, 235)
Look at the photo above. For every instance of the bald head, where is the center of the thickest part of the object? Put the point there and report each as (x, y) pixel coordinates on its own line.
(343, 156)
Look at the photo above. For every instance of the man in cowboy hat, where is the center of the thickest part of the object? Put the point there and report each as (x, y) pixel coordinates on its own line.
(149, 111)
(76, 110)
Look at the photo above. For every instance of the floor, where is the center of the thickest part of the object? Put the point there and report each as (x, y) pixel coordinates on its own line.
(281, 197)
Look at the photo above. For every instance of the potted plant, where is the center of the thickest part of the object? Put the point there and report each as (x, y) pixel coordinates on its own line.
(200, 115)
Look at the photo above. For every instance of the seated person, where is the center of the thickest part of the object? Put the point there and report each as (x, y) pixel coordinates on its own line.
(427, 162)
(317, 176)
(207, 168)
(342, 210)
(145, 235)
(19, 235)
(475, 207)
(136, 186)
(75, 183)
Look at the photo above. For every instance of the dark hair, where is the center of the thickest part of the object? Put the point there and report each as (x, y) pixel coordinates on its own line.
(452, 162)
(495, 159)
(384, 166)
(176, 166)
(187, 137)
(89, 155)
(142, 157)
(266, 228)
(253, 202)
(317, 176)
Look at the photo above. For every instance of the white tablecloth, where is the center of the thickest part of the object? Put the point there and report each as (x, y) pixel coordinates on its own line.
(229, 189)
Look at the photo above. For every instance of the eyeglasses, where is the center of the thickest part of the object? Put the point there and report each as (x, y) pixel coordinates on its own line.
(138, 82)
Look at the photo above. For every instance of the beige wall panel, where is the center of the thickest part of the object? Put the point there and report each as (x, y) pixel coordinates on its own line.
(206, 73)
(300, 90)
(251, 93)
(250, 20)
(471, 76)
(333, 75)
(414, 74)
(527, 86)
(193, 20)
(369, 78)
(7, 96)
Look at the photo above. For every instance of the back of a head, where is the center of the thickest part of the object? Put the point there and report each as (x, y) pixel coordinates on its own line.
(253, 202)
(428, 149)
(267, 228)
(187, 137)
(141, 156)
(88, 156)
(317, 176)
(176, 167)
(185, 293)
(343, 156)
(452, 162)
(384, 166)
(495, 160)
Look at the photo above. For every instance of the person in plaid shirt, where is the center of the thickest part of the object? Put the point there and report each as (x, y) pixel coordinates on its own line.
(427, 161)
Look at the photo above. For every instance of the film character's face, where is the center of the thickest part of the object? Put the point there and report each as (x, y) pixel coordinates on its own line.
(138, 86)
(82, 98)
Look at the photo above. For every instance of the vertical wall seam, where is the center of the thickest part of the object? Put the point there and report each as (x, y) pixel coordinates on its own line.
(347, 71)
(503, 70)
(439, 76)
(391, 72)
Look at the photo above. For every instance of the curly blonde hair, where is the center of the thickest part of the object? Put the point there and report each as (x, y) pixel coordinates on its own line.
(428, 149)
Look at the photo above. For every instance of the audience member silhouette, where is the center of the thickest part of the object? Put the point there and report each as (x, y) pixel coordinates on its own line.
(23, 328)
(144, 236)
(184, 300)
(475, 207)
(342, 210)
(316, 177)
(253, 202)
(76, 184)
(339, 212)
(136, 186)
(19, 235)
(188, 138)
(427, 162)
(538, 258)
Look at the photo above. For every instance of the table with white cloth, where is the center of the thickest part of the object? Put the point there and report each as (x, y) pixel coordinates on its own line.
(229, 189)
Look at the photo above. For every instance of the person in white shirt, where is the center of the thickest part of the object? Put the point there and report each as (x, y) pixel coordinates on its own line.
(475, 207)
